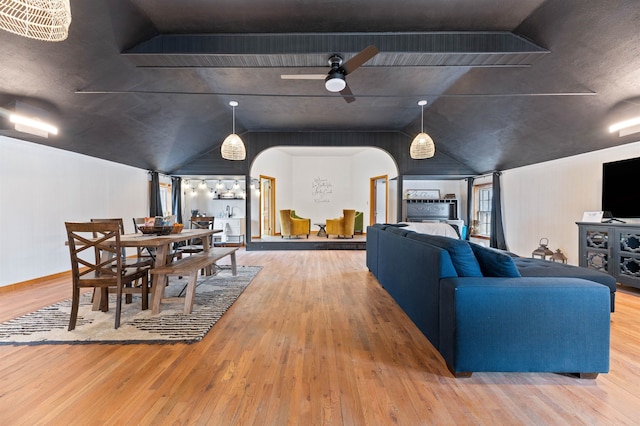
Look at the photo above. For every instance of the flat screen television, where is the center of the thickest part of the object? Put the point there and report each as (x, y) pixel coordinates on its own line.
(620, 193)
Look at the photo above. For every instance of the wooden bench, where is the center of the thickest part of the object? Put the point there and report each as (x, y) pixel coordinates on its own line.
(189, 266)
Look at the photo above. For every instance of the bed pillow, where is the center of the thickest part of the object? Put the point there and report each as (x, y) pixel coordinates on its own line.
(494, 263)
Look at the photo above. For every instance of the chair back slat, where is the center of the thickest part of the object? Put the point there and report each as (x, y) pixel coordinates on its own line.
(202, 222)
(120, 223)
(82, 237)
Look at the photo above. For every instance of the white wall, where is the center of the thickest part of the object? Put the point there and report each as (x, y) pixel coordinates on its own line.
(320, 187)
(366, 165)
(546, 199)
(41, 188)
(275, 164)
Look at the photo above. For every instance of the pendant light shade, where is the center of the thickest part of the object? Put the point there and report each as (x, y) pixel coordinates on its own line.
(422, 146)
(46, 20)
(232, 147)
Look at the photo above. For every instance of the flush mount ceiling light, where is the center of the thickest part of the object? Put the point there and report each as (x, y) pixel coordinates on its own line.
(32, 126)
(627, 127)
(46, 20)
(422, 146)
(233, 148)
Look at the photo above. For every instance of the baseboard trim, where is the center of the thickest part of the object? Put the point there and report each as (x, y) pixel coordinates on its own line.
(35, 281)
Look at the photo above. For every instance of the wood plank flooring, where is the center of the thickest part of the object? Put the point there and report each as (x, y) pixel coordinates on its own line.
(313, 340)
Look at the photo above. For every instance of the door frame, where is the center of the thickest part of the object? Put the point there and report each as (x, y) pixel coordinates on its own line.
(373, 200)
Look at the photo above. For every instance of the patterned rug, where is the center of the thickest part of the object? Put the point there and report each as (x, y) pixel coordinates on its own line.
(214, 295)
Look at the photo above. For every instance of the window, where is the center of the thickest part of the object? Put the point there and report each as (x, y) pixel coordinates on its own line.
(482, 196)
(165, 198)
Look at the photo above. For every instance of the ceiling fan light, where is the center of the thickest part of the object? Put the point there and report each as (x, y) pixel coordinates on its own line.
(233, 148)
(422, 147)
(335, 82)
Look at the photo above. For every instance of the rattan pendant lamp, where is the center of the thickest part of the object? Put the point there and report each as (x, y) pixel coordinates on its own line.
(233, 148)
(422, 146)
(46, 20)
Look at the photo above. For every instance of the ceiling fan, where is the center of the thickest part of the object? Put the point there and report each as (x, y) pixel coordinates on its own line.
(334, 80)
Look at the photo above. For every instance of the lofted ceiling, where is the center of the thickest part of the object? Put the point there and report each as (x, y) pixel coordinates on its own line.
(147, 82)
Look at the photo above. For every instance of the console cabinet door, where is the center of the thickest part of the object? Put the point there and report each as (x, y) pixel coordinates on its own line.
(612, 248)
(628, 257)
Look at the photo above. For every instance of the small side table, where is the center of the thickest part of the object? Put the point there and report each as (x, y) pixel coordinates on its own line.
(322, 232)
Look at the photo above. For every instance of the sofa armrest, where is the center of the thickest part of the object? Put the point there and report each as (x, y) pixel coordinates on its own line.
(524, 324)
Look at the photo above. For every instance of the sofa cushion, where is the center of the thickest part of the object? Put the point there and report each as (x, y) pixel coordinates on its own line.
(544, 268)
(462, 257)
(494, 263)
(398, 231)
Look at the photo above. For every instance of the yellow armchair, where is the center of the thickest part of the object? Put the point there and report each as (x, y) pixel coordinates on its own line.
(359, 223)
(342, 226)
(292, 225)
(295, 216)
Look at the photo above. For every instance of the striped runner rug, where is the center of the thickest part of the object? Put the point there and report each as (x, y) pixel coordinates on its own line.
(214, 295)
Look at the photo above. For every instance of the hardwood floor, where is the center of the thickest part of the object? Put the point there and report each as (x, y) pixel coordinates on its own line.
(313, 340)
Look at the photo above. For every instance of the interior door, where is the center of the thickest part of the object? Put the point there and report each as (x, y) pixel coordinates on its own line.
(267, 205)
(379, 199)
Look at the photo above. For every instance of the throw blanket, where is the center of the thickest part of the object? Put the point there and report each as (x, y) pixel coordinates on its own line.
(432, 228)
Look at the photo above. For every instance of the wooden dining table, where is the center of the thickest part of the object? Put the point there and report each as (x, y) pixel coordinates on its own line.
(162, 245)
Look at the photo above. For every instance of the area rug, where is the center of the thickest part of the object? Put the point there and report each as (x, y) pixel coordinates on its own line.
(214, 295)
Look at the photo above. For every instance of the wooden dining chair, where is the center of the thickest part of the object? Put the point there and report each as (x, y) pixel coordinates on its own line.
(198, 222)
(151, 251)
(142, 259)
(96, 262)
(196, 245)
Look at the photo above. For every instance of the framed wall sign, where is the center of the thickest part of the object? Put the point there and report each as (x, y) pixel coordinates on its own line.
(422, 194)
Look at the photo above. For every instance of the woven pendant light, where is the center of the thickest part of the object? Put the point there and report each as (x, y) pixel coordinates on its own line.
(232, 147)
(46, 20)
(422, 146)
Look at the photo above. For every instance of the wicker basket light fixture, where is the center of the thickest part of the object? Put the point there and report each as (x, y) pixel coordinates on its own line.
(422, 146)
(46, 20)
(232, 147)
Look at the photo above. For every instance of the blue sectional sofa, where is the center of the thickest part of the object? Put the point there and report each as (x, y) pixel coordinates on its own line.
(482, 314)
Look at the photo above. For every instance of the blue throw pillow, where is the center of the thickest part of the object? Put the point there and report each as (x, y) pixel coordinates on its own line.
(398, 231)
(494, 263)
(460, 252)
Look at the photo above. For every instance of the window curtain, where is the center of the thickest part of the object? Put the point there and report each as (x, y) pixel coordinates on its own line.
(497, 239)
(469, 206)
(155, 204)
(176, 199)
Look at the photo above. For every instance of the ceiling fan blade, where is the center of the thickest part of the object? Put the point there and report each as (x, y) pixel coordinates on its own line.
(303, 76)
(347, 94)
(354, 63)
